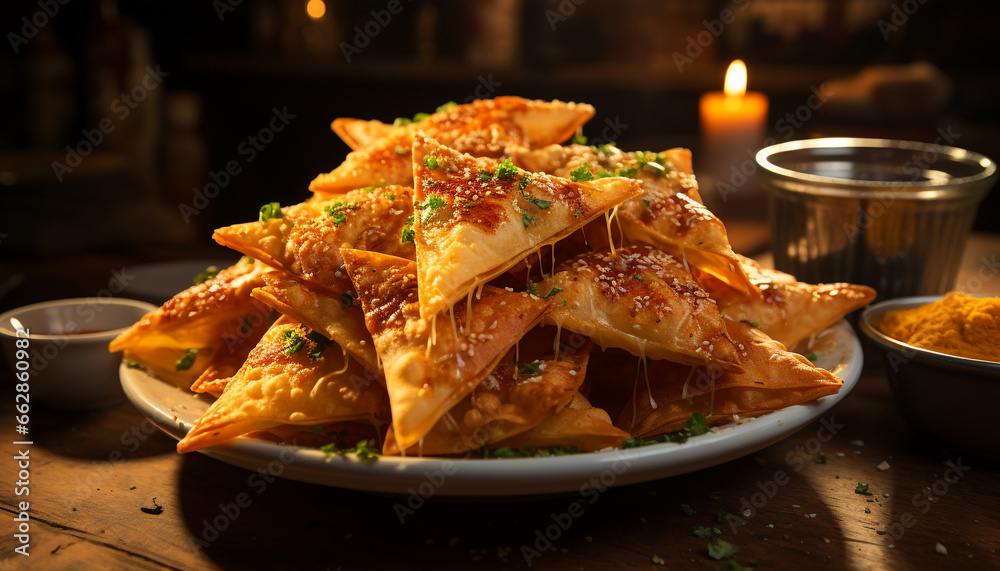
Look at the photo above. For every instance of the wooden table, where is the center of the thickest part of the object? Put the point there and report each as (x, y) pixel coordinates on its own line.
(91, 475)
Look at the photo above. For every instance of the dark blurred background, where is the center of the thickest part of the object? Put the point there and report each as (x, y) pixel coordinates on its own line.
(130, 129)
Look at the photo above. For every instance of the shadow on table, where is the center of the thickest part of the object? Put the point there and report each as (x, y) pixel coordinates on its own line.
(240, 518)
(107, 434)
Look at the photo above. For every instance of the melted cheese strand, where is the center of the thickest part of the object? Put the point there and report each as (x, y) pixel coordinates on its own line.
(555, 342)
(635, 399)
(611, 243)
(541, 266)
(553, 247)
(684, 390)
(468, 312)
(644, 363)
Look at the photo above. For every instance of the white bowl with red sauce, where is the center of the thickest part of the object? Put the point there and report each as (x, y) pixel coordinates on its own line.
(58, 351)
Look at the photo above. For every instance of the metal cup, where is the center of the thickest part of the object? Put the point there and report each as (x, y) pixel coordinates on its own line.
(894, 215)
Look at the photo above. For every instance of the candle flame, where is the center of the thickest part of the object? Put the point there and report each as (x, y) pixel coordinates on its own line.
(736, 79)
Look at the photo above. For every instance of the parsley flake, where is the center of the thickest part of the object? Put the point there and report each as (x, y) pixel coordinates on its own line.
(362, 450)
(646, 205)
(134, 365)
(578, 139)
(485, 176)
(702, 532)
(540, 203)
(430, 207)
(751, 323)
(506, 170)
(812, 356)
(408, 233)
(577, 213)
(657, 560)
(821, 457)
(269, 211)
(209, 273)
(720, 549)
(862, 489)
(534, 291)
(338, 218)
(526, 219)
(348, 298)
(581, 173)
(295, 341)
(529, 368)
(687, 510)
(185, 362)
(431, 162)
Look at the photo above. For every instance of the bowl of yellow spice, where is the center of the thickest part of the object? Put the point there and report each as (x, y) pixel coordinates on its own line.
(942, 360)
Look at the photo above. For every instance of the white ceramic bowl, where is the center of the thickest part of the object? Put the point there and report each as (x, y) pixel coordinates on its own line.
(64, 349)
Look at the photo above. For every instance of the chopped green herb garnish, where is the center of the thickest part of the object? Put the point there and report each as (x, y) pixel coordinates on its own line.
(485, 176)
(687, 510)
(562, 301)
(811, 355)
(134, 365)
(646, 205)
(269, 211)
(185, 362)
(209, 273)
(338, 218)
(430, 207)
(321, 343)
(362, 450)
(821, 457)
(408, 233)
(578, 139)
(732, 565)
(401, 150)
(862, 489)
(534, 291)
(605, 148)
(720, 549)
(694, 426)
(577, 213)
(506, 170)
(702, 532)
(348, 298)
(638, 278)
(401, 121)
(295, 341)
(657, 560)
(629, 172)
(540, 203)
(722, 515)
(446, 107)
(751, 323)
(581, 173)
(246, 260)
(529, 368)
(526, 219)
(431, 162)
(523, 183)
(418, 117)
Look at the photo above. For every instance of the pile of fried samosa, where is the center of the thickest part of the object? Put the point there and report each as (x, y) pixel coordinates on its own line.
(466, 281)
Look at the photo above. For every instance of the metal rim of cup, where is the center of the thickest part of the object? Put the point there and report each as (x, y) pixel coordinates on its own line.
(8, 331)
(973, 187)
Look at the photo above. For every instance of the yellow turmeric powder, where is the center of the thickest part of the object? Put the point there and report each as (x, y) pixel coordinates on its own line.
(958, 324)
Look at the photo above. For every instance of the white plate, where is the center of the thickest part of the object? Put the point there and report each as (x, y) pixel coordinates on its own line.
(174, 411)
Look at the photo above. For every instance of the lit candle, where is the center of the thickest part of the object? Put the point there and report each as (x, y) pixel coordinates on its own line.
(732, 122)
